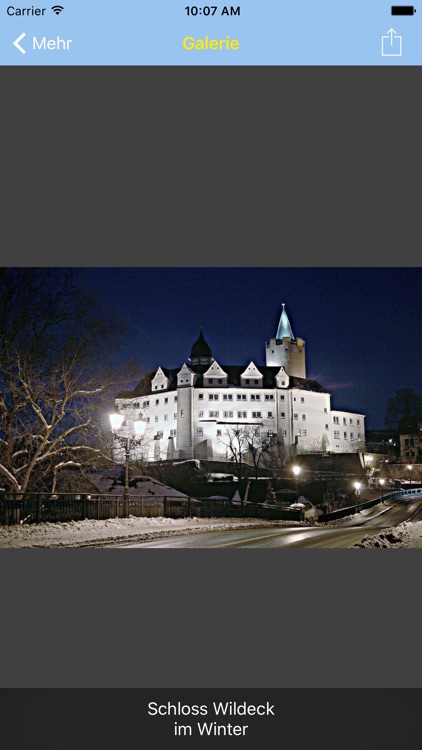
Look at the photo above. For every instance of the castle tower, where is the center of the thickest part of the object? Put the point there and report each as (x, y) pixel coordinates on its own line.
(201, 354)
(286, 350)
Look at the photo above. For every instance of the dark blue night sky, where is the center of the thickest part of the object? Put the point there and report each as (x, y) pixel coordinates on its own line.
(362, 326)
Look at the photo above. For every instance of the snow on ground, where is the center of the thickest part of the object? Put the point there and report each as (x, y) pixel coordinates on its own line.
(407, 534)
(114, 530)
(96, 533)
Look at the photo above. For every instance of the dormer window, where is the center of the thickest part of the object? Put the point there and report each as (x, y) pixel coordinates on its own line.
(215, 375)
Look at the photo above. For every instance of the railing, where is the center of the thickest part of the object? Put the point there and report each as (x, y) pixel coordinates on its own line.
(30, 508)
(350, 510)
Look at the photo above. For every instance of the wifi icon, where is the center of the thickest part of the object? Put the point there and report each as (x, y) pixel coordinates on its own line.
(57, 9)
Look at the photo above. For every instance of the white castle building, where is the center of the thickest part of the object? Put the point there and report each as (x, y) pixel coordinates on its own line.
(191, 411)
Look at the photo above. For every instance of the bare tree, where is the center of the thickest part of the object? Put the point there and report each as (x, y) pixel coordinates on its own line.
(405, 406)
(276, 455)
(236, 441)
(258, 446)
(245, 443)
(315, 444)
(57, 371)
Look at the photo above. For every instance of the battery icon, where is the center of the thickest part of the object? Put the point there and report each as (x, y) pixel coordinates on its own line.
(403, 10)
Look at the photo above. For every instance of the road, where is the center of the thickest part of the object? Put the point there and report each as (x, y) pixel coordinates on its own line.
(351, 531)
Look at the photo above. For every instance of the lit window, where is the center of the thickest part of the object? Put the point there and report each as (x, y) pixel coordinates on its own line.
(284, 433)
(299, 433)
(270, 433)
(304, 433)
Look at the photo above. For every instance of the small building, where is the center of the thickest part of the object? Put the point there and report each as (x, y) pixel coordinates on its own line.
(410, 439)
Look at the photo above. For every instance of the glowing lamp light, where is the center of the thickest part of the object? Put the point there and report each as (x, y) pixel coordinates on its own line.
(296, 472)
(139, 426)
(382, 481)
(116, 421)
(131, 438)
(357, 485)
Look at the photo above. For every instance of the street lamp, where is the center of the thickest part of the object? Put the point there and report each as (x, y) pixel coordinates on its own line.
(128, 441)
(382, 482)
(409, 468)
(296, 472)
(357, 490)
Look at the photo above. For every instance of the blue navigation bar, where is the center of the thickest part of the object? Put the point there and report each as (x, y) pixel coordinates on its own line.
(177, 32)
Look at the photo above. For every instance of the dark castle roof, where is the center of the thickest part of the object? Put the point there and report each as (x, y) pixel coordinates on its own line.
(233, 372)
(200, 349)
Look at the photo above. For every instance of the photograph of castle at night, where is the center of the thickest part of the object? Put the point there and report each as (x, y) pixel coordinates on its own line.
(210, 407)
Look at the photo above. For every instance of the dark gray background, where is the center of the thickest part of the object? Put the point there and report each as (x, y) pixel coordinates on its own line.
(248, 166)
(119, 718)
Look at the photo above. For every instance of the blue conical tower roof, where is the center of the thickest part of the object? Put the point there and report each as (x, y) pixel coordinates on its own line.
(284, 327)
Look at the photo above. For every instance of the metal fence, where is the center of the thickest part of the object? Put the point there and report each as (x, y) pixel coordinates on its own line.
(350, 510)
(32, 508)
